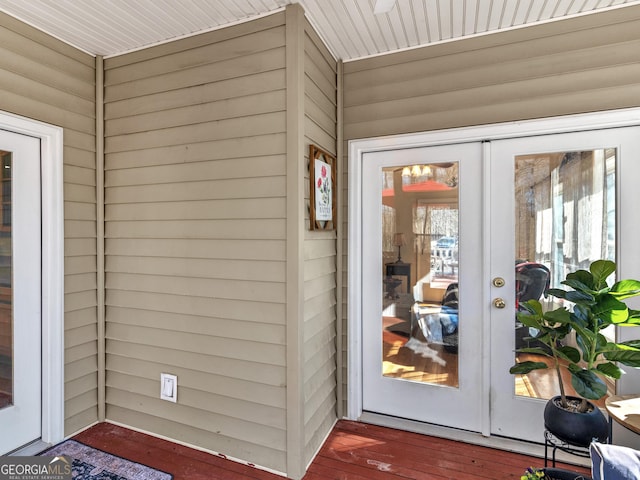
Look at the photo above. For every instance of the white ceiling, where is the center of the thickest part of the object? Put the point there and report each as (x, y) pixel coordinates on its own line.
(349, 27)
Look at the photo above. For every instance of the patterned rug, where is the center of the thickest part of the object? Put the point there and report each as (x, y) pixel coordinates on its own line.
(92, 464)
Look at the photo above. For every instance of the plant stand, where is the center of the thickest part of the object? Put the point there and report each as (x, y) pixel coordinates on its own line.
(551, 441)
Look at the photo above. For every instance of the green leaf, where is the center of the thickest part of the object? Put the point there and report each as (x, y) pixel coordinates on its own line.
(611, 310)
(625, 289)
(559, 315)
(580, 314)
(534, 307)
(569, 353)
(601, 343)
(629, 345)
(583, 277)
(601, 269)
(536, 350)
(557, 292)
(585, 335)
(526, 367)
(580, 297)
(587, 384)
(609, 370)
(579, 286)
(634, 313)
(531, 321)
(630, 358)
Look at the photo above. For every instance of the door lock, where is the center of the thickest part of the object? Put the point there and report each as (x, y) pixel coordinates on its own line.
(499, 303)
(498, 282)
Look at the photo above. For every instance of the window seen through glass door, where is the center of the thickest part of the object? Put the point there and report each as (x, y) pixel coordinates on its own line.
(420, 324)
(565, 219)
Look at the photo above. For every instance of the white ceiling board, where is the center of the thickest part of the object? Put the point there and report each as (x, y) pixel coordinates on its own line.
(350, 28)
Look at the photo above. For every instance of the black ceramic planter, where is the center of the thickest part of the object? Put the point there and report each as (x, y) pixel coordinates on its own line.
(575, 428)
(560, 474)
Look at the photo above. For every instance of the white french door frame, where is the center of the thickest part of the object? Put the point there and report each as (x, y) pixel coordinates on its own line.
(51, 171)
(357, 150)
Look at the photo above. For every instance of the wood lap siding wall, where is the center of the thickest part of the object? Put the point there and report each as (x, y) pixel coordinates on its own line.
(195, 239)
(47, 80)
(578, 65)
(319, 336)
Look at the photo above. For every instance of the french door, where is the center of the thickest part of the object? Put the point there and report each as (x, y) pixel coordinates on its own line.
(421, 355)
(555, 207)
(20, 290)
(452, 238)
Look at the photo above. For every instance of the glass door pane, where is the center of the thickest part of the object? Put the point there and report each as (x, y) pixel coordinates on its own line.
(6, 311)
(420, 273)
(565, 219)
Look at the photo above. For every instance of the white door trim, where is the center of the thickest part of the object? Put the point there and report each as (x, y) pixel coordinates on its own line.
(357, 149)
(51, 153)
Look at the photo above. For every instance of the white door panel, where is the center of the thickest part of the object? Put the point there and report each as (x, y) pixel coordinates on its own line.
(553, 188)
(453, 403)
(20, 290)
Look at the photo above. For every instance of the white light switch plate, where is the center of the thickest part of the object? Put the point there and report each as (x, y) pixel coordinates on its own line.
(168, 387)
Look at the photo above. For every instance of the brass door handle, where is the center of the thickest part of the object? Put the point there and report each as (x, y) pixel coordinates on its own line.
(499, 303)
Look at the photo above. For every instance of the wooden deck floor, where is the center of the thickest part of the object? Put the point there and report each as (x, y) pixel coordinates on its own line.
(353, 451)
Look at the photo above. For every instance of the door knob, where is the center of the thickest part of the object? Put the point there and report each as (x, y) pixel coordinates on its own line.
(499, 303)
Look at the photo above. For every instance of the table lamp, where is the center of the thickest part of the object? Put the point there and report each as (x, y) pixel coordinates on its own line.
(399, 240)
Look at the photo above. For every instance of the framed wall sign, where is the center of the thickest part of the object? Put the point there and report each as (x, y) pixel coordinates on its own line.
(322, 194)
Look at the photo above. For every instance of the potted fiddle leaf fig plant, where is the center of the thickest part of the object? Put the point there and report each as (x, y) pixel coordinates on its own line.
(596, 306)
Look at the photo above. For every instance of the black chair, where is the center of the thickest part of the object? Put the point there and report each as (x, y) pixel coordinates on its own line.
(532, 282)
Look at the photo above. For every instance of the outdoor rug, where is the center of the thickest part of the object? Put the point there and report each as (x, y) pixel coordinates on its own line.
(92, 464)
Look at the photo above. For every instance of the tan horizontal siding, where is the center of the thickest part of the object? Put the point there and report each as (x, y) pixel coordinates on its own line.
(213, 52)
(247, 105)
(511, 76)
(200, 325)
(584, 64)
(247, 64)
(246, 208)
(272, 313)
(270, 354)
(209, 383)
(224, 189)
(195, 394)
(221, 149)
(247, 169)
(270, 250)
(244, 374)
(235, 428)
(200, 436)
(236, 269)
(195, 220)
(265, 291)
(256, 229)
(196, 95)
(319, 253)
(262, 124)
(79, 211)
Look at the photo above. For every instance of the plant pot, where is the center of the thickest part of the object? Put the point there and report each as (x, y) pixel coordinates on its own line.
(560, 474)
(573, 427)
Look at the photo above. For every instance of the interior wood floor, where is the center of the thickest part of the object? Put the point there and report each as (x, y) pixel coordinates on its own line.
(422, 363)
(431, 363)
(353, 451)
